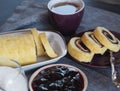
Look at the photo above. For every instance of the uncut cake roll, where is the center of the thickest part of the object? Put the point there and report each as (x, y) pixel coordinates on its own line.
(107, 39)
(79, 51)
(92, 43)
(20, 48)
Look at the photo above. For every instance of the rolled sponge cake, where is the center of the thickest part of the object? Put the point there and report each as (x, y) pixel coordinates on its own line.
(92, 43)
(107, 39)
(20, 48)
(78, 51)
(25, 46)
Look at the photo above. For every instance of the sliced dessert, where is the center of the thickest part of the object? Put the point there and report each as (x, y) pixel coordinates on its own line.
(39, 47)
(79, 51)
(107, 39)
(49, 50)
(92, 43)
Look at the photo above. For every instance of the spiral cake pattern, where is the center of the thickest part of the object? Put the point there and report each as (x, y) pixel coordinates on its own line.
(107, 39)
(79, 51)
(92, 43)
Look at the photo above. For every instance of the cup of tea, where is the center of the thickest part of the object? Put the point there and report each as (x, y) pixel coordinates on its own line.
(66, 15)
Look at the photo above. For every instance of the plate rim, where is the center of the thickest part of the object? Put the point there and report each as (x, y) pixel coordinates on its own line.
(27, 67)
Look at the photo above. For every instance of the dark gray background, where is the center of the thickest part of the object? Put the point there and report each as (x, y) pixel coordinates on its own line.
(7, 7)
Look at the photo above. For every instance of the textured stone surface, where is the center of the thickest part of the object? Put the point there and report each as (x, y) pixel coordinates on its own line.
(110, 1)
(32, 14)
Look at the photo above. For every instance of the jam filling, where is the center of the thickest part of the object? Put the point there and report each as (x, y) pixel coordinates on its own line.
(58, 78)
(81, 46)
(114, 41)
(96, 41)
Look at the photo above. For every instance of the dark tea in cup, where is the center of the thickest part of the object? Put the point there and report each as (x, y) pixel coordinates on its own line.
(65, 15)
(65, 8)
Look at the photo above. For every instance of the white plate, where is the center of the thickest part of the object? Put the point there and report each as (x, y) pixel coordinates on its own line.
(58, 44)
(56, 41)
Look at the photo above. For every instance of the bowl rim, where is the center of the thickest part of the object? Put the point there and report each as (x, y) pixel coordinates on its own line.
(51, 65)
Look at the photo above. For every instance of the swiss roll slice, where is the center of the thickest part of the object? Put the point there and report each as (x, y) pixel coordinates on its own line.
(107, 39)
(79, 51)
(92, 43)
(39, 47)
(48, 48)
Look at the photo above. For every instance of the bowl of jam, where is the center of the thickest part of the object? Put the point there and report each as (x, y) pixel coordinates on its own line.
(58, 77)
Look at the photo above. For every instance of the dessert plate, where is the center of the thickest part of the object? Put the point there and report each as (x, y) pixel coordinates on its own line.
(56, 41)
(58, 44)
(102, 61)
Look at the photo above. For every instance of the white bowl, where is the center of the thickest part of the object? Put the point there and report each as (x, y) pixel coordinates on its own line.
(52, 65)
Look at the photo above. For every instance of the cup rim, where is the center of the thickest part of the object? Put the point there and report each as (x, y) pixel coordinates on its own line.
(83, 6)
(51, 65)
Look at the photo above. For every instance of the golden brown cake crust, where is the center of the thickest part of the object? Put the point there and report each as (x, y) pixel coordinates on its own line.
(107, 38)
(78, 53)
(92, 43)
(49, 50)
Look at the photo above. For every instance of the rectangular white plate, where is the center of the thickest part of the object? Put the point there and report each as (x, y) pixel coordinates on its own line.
(58, 44)
(56, 41)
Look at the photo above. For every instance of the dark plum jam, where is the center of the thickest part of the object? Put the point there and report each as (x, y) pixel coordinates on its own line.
(58, 78)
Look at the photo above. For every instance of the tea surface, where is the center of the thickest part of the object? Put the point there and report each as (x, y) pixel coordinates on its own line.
(65, 8)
